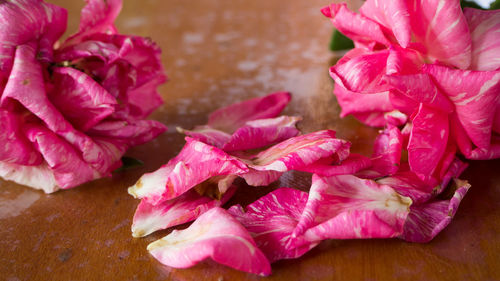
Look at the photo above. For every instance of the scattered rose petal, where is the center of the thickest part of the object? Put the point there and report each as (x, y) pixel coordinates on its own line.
(271, 220)
(185, 208)
(216, 235)
(196, 163)
(426, 220)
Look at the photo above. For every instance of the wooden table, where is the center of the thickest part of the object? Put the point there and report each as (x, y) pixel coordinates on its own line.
(216, 53)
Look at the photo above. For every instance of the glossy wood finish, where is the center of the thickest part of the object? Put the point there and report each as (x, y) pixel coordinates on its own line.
(216, 53)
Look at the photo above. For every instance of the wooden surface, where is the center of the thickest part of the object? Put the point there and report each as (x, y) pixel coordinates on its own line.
(216, 53)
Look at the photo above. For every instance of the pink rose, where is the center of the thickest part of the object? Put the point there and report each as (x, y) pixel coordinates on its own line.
(68, 114)
(430, 61)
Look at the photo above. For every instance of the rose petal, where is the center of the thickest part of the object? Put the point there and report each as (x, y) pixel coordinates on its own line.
(346, 207)
(38, 177)
(98, 16)
(254, 134)
(16, 148)
(357, 27)
(196, 163)
(393, 15)
(442, 28)
(300, 151)
(484, 28)
(271, 220)
(131, 132)
(351, 165)
(426, 220)
(475, 96)
(185, 208)
(80, 99)
(428, 139)
(368, 108)
(371, 66)
(217, 235)
(260, 178)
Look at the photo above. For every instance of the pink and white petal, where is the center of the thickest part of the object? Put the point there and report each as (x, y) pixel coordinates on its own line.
(207, 135)
(80, 98)
(216, 235)
(393, 15)
(271, 220)
(300, 151)
(368, 108)
(263, 132)
(185, 208)
(29, 20)
(346, 207)
(428, 140)
(66, 163)
(131, 132)
(37, 177)
(407, 183)
(387, 151)
(475, 96)
(420, 89)
(455, 169)
(98, 16)
(228, 119)
(442, 28)
(426, 220)
(16, 148)
(260, 178)
(484, 27)
(195, 163)
(395, 118)
(363, 73)
(351, 165)
(492, 152)
(357, 27)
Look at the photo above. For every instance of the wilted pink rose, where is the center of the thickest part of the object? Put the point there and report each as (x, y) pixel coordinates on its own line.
(428, 60)
(69, 113)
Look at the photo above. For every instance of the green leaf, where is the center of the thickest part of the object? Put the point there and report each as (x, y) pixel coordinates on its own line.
(129, 163)
(340, 42)
(469, 4)
(495, 5)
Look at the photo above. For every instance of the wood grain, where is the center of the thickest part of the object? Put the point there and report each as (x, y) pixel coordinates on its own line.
(216, 53)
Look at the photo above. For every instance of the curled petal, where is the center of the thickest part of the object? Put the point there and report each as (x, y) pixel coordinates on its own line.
(16, 148)
(263, 132)
(428, 139)
(346, 207)
(387, 152)
(484, 28)
(215, 234)
(97, 16)
(230, 118)
(80, 99)
(196, 163)
(271, 220)
(185, 208)
(441, 27)
(357, 27)
(300, 151)
(426, 220)
(38, 177)
(393, 15)
(362, 73)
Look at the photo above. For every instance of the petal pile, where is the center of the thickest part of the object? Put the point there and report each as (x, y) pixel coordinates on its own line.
(351, 196)
(69, 113)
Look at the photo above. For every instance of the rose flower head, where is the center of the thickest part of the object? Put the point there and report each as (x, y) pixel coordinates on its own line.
(70, 110)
